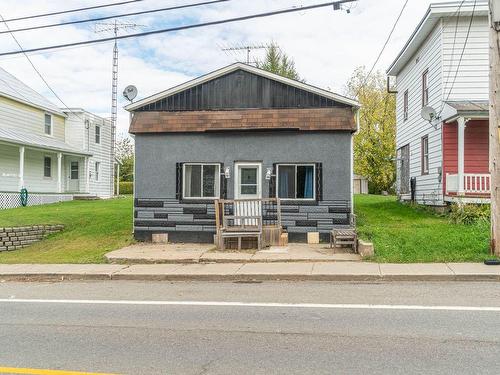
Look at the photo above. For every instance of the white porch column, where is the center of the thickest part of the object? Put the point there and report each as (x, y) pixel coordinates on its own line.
(461, 152)
(59, 172)
(117, 179)
(87, 175)
(21, 167)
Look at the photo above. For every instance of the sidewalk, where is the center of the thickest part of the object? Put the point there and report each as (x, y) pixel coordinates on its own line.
(326, 271)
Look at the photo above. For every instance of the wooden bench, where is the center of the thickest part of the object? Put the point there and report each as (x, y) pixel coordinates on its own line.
(241, 226)
(345, 236)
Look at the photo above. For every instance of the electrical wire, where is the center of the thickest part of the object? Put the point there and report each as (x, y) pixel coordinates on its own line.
(179, 28)
(71, 10)
(112, 16)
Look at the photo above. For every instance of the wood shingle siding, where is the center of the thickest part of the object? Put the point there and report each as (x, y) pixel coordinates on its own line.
(314, 119)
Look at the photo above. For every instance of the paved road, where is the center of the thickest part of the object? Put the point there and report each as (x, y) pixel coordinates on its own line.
(143, 337)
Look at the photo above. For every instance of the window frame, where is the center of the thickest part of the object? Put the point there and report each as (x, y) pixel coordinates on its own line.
(405, 105)
(51, 125)
(425, 88)
(217, 180)
(424, 155)
(97, 170)
(45, 158)
(296, 165)
(97, 135)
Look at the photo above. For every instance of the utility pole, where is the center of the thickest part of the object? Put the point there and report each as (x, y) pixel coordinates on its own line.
(114, 27)
(494, 6)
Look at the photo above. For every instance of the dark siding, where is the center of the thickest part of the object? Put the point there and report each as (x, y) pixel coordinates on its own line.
(240, 89)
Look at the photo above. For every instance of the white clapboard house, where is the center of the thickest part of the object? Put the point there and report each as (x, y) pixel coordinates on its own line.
(55, 154)
(444, 68)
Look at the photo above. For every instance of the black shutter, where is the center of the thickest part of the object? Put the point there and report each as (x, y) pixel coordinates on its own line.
(319, 181)
(272, 183)
(223, 183)
(178, 181)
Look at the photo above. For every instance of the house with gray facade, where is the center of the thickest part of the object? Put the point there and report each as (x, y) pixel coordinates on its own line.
(241, 133)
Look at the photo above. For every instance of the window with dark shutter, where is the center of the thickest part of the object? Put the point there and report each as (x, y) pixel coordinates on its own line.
(319, 181)
(272, 183)
(178, 181)
(223, 183)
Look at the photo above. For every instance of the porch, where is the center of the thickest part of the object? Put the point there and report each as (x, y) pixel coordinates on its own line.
(466, 152)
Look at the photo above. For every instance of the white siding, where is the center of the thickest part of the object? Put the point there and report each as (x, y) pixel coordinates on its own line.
(428, 57)
(85, 139)
(30, 119)
(9, 167)
(472, 78)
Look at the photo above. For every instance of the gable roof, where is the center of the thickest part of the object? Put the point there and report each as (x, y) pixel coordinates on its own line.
(434, 13)
(248, 68)
(13, 88)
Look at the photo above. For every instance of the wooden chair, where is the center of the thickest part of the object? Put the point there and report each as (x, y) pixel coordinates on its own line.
(345, 236)
(240, 227)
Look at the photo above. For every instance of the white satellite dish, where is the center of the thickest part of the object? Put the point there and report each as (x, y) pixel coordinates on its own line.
(428, 113)
(130, 92)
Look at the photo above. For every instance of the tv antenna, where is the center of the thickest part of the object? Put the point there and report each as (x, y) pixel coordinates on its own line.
(247, 48)
(130, 92)
(101, 27)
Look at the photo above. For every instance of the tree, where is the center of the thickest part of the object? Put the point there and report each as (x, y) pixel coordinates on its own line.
(125, 154)
(375, 143)
(278, 62)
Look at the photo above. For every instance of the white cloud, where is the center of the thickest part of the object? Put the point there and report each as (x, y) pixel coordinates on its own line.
(327, 45)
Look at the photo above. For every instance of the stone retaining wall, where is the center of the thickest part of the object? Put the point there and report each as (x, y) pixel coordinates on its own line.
(12, 238)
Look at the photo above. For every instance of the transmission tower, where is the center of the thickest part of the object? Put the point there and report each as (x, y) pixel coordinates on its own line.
(114, 27)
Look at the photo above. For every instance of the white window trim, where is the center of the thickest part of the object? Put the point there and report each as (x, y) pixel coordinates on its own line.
(51, 124)
(406, 100)
(43, 171)
(296, 165)
(237, 184)
(217, 181)
(95, 134)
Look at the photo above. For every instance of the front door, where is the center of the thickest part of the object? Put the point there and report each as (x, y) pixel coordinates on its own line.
(248, 181)
(74, 175)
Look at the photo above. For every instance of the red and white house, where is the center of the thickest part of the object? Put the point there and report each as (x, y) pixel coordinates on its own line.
(444, 65)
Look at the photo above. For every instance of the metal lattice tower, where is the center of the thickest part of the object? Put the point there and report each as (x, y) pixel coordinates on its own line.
(114, 27)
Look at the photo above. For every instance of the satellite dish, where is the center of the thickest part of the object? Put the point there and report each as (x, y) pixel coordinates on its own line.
(428, 113)
(130, 92)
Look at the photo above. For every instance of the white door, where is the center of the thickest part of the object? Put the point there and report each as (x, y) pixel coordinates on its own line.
(248, 185)
(74, 175)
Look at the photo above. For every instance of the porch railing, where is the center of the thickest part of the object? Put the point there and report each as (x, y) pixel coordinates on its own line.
(474, 183)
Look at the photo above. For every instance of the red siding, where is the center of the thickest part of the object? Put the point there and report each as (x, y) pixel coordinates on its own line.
(476, 148)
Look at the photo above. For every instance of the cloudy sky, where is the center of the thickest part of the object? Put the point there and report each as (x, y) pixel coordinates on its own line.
(326, 45)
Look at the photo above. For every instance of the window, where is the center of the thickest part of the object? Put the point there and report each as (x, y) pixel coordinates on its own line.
(201, 180)
(97, 167)
(425, 88)
(47, 166)
(48, 124)
(97, 134)
(425, 154)
(74, 170)
(405, 105)
(296, 181)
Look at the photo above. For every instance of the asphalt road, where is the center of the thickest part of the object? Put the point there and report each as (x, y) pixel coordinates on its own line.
(337, 333)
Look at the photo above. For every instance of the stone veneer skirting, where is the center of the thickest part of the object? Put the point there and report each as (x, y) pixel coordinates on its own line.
(192, 221)
(12, 238)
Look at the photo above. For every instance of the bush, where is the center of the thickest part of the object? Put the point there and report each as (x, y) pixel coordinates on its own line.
(126, 187)
(469, 213)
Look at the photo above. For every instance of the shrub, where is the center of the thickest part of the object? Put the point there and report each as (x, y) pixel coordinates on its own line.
(126, 187)
(469, 213)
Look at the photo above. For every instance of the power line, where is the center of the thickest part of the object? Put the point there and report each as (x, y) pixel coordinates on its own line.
(185, 27)
(112, 16)
(71, 10)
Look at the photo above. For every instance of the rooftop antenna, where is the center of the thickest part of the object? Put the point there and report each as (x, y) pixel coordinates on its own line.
(114, 27)
(247, 48)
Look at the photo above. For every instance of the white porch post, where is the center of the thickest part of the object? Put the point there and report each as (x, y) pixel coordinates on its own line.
(59, 172)
(21, 167)
(118, 179)
(87, 175)
(461, 152)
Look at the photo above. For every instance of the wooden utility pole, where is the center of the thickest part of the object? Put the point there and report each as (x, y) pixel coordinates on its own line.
(494, 124)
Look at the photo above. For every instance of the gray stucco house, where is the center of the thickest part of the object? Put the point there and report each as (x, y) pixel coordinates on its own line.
(237, 133)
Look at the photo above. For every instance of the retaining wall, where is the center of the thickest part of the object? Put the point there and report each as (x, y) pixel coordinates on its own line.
(13, 238)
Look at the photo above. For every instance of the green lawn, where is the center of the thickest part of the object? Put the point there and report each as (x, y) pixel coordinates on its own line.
(401, 233)
(92, 228)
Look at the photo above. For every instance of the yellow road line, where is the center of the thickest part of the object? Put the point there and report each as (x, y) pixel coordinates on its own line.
(36, 371)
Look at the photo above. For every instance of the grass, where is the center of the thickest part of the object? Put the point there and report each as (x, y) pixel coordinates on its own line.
(92, 228)
(400, 233)
(403, 233)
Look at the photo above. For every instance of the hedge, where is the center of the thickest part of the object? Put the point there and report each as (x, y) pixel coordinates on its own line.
(126, 187)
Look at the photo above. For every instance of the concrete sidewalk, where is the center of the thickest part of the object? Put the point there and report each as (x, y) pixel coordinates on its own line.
(327, 271)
